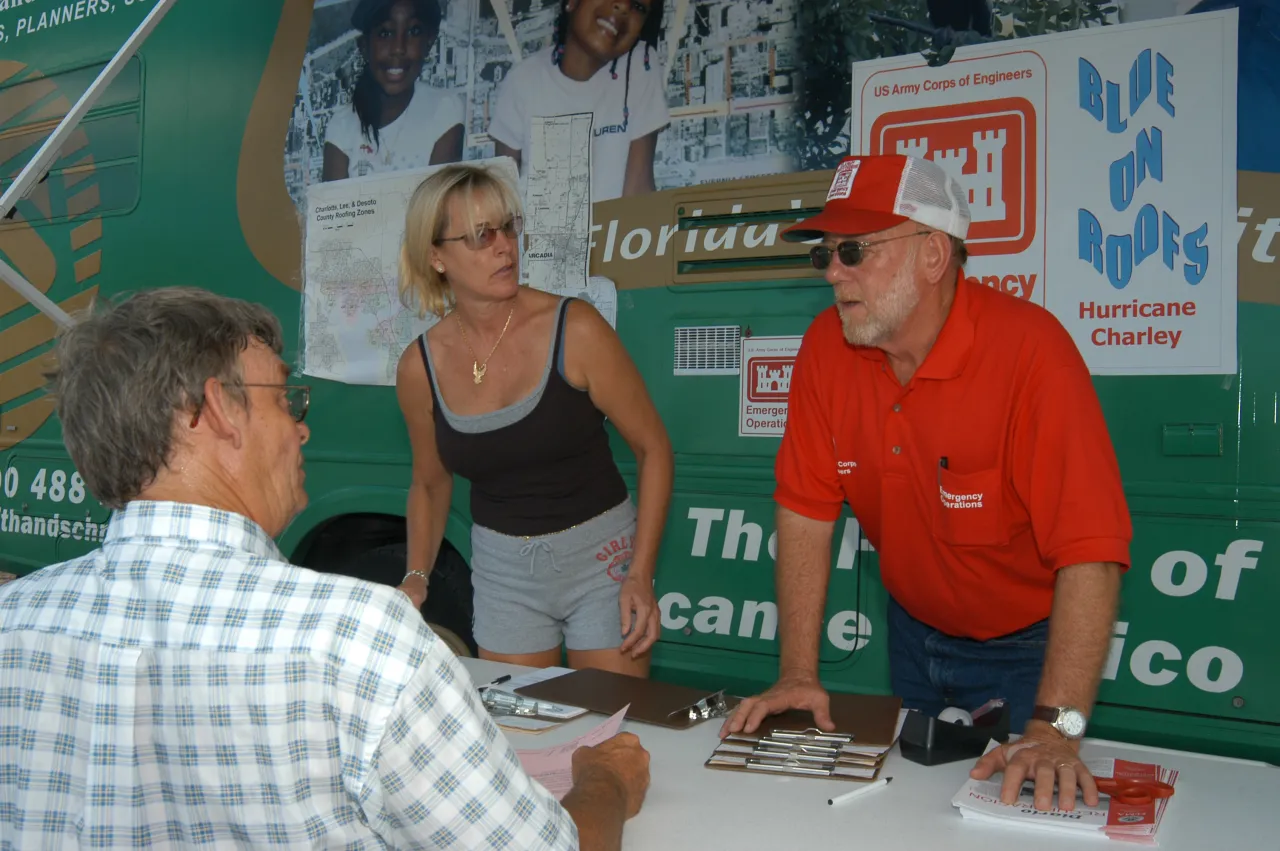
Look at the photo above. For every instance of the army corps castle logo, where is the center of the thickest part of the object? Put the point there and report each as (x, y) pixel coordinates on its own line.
(990, 148)
(769, 379)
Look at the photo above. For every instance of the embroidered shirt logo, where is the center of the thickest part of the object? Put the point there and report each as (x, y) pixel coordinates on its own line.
(616, 556)
(959, 500)
(845, 468)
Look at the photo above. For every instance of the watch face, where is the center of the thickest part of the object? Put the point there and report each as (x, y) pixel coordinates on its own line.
(1072, 723)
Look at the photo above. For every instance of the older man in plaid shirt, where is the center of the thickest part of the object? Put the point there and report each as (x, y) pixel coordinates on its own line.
(185, 685)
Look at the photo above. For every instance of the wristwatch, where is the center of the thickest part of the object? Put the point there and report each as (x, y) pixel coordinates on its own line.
(1067, 720)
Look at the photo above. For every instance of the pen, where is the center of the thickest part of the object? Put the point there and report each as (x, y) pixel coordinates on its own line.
(857, 793)
(499, 681)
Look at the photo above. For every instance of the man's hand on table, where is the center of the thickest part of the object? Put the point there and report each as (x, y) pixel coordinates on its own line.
(1041, 755)
(791, 691)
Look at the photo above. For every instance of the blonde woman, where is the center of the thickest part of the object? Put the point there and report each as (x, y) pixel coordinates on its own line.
(510, 391)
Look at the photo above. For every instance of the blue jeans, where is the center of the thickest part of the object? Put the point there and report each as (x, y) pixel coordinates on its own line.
(931, 670)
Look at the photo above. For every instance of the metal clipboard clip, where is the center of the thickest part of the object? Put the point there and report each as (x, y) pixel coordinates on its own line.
(796, 747)
(813, 734)
(711, 706)
(791, 765)
(506, 703)
(795, 757)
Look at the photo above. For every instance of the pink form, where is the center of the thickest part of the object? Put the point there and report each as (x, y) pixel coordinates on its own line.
(553, 766)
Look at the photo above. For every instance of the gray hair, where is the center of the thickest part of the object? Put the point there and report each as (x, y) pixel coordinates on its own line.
(122, 375)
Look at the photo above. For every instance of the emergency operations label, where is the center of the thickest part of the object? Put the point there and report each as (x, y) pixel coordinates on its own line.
(765, 381)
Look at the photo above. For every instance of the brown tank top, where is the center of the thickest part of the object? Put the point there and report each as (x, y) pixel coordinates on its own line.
(538, 466)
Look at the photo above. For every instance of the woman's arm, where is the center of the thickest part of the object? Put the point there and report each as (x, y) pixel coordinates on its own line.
(639, 176)
(501, 150)
(431, 487)
(448, 148)
(596, 360)
(335, 163)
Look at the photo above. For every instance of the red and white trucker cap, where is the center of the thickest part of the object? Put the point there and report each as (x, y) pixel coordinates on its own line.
(873, 193)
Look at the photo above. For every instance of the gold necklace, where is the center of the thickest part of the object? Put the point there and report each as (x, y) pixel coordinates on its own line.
(477, 368)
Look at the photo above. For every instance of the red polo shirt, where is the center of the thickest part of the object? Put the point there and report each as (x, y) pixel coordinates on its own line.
(987, 472)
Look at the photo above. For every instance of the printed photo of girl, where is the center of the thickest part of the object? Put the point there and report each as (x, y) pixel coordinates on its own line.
(603, 59)
(395, 120)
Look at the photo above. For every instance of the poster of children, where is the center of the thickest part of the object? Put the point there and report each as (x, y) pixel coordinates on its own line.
(678, 93)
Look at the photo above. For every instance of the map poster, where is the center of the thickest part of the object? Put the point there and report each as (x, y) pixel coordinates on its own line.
(557, 202)
(355, 325)
(1100, 166)
(765, 379)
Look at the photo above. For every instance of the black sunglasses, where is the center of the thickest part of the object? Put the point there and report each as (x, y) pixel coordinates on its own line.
(485, 234)
(850, 251)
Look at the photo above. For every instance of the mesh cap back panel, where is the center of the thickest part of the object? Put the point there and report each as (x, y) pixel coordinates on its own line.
(930, 196)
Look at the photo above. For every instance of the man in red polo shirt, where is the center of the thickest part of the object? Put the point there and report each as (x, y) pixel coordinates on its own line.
(962, 427)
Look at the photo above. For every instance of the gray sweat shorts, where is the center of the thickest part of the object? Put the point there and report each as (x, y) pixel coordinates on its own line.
(532, 594)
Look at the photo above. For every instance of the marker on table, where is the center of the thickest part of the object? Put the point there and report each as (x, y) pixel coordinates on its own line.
(499, 681)
(858, 793)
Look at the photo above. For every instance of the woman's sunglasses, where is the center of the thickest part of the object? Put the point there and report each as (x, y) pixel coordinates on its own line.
(484, 235)
(850, 252)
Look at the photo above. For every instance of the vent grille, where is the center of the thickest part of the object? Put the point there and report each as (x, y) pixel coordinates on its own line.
(708, 350)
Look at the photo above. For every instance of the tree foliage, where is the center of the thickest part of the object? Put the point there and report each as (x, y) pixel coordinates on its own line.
(834, 35)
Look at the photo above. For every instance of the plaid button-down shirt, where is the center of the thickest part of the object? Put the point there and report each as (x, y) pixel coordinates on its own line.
(184, 685)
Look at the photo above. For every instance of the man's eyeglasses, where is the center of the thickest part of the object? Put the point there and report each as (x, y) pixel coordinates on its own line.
(850, 251)
(484, 235)
(297, 396)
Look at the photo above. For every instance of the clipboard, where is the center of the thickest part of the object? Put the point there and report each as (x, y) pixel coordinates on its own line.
(795, 764)
(870, 719)
(653, 702)
(791, 743)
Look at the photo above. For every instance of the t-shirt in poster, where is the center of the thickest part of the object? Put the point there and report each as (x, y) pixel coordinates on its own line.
(536, 87)
(405, 143)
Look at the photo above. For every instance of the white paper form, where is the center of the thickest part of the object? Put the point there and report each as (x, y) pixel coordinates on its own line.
(553, 766)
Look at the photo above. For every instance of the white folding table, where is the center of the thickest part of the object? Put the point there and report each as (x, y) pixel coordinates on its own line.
(1221, 804)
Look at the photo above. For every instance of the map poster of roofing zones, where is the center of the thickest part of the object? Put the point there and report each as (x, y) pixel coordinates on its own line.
(1100, 167)
(765, 385)
(355, 324)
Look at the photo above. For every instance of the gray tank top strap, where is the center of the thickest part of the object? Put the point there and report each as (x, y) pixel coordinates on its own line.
(501, 418)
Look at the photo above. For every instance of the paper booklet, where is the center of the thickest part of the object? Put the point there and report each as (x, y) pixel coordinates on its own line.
(980, 800)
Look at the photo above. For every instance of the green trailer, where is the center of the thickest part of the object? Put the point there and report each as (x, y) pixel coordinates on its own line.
(174, 176)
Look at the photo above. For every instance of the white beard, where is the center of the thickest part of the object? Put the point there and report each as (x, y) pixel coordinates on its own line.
(885, 316)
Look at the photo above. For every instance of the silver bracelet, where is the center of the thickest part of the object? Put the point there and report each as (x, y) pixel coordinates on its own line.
(426, 577)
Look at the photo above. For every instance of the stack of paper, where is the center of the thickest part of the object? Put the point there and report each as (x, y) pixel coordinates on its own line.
(980, 800)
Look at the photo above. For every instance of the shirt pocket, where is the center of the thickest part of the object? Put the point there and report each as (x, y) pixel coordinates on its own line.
(967, 508)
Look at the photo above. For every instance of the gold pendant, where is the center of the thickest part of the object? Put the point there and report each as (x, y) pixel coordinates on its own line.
(477, 371)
